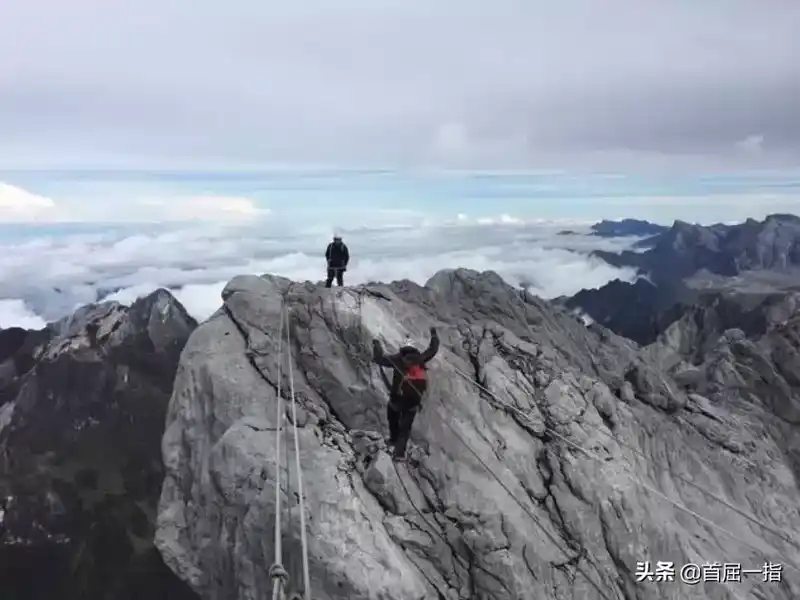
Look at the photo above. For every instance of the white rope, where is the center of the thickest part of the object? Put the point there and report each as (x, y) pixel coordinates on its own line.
(277, 572)
(633, 478)
(749, 516)
(630, 475)
(303, 537)
(290, 560)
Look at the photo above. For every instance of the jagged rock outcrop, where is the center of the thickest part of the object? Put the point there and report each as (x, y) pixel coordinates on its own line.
(685, 264)
(698, 327)
(554, 485)
(721, 249)
(638, 311)
(82, 408)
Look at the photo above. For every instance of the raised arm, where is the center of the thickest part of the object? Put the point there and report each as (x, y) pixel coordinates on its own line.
(379, 358)
(432, 348)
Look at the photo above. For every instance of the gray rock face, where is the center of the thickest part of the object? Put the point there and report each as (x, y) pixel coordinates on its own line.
(575, 457)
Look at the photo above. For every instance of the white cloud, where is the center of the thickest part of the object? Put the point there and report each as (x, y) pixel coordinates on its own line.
(54, 275)
(17, 204)
(503, 219)
(200, 300)
(201, 208)
(20, 205)
(14, 313)
(752, 145)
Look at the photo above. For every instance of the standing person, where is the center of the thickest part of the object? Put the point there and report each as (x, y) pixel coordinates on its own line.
(408, 385)
(337, 256)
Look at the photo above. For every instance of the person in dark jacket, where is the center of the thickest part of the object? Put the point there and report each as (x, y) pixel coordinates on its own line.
(406, 390)
(337, 256)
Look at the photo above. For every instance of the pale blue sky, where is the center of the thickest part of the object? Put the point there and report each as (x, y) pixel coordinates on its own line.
(370, 198)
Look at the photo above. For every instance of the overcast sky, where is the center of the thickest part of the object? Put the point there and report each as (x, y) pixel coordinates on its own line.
(154, 83)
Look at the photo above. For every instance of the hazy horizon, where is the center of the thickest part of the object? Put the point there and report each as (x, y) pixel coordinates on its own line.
(76, 238)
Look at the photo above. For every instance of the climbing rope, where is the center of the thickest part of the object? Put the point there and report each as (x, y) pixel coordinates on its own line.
(630, 476)
(464, 562)
(525, 509)
(594, 456)
(749, 516)
(303, 536)
(277, 572)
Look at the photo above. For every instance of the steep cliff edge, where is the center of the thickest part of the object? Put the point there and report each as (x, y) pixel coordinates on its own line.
(574, 458)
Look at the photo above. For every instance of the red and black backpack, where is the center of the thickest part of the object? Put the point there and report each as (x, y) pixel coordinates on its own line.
(414, 381)
(414, 373)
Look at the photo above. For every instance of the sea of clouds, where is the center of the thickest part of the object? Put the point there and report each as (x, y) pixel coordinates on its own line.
(44, 278)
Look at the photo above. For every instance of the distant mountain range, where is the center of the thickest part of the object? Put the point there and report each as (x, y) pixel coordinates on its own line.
(684, 249)
(627, 227)
(688, 261)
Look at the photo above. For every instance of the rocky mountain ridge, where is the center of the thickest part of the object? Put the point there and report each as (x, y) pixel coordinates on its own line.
(549, 458)
(627, 227)
(727, 250)
(82, 407)
(691, 261)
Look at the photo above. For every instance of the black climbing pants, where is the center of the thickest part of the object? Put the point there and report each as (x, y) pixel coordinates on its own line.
(337, 272)
(400, 413)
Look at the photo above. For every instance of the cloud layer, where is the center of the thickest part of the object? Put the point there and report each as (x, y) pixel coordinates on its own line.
(520, 83)
(53, 275)
(21, 206)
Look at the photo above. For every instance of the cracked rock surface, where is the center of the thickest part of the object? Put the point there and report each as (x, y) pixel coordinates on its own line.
(548, 459)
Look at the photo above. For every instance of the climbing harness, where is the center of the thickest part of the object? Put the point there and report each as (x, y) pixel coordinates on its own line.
(277, 572)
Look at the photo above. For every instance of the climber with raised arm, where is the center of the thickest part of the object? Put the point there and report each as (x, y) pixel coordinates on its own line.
(408, 385)
(337, 256)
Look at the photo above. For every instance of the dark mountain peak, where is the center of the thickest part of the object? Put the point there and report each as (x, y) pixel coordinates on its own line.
(786, 218)
(82, 411)
(683, 234)
(626, 308)
(626, 227)
(679, 225)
